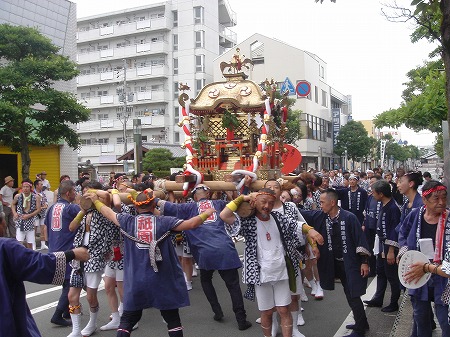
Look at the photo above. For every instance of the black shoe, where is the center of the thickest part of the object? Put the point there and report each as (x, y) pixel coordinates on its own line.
(244, 325)
(60, 321)
(390, 308)
(218, 317)
(372, 303)
(353, 326)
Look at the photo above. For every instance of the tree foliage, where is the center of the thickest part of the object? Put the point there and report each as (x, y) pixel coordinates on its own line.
(32, 112)
(424, 106)
(353, 137)
(425, 103)
(293, 133)
(161, 159)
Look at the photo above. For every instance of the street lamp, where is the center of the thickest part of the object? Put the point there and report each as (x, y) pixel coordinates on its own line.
(137, 133)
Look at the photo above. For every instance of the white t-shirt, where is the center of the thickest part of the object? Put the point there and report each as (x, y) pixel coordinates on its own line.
(270, 252)
(7, 194)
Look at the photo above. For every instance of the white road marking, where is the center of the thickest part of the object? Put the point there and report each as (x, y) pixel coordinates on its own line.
(370, 291)
(54, 304)
(42, 292)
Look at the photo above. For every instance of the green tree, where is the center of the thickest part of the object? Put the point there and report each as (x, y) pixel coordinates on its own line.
(353, 137)
(32, 112)
(161, 159)
(424, 106)
(293, 133)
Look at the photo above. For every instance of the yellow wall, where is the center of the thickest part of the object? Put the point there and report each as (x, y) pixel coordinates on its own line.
(42, 159)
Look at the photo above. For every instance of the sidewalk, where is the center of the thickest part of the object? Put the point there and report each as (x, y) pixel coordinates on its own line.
(403, 322)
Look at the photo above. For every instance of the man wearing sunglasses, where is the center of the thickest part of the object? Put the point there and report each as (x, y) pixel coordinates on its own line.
(213, 249)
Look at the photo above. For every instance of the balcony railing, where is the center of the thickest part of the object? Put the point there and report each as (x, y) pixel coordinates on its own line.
(136, 98)
(133, 74)
(124, 52)
(228, 33)
(111, 125)
(122, 29)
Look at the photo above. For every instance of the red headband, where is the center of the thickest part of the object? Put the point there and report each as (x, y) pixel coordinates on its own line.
(434, 189)
(265, 193)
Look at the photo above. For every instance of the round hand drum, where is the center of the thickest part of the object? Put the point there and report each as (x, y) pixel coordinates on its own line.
(410, 257)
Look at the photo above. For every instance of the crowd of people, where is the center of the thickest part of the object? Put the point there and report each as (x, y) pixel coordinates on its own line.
(301, 232)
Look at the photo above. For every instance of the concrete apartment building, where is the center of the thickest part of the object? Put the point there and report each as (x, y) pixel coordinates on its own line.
(55, 19)
(131, 63)
(288, 65)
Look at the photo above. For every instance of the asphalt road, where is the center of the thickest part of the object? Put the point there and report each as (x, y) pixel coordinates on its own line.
(323, 318)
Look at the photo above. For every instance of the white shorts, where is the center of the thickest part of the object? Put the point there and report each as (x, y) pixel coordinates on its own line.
(92, 280)
(311, 255)
(180, 251)
(299, 283)
(39, 221)
(273, 294)
(27, 236)
(114, 273)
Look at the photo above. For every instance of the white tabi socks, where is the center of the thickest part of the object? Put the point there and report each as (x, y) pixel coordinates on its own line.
(92, 324)
(295, 332)
(76, 320)
(113, 324)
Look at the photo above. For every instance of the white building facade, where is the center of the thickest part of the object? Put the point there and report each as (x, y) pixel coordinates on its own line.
(131, 64)
(56, 19)
(287, 65)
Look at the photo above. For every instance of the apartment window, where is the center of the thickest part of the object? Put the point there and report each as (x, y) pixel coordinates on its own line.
(140, 41)
(123, 44)
(159, 62)
(175, 90)
(102, 141)
(176, 137)
(175, 66)
(140, 89)
(104, 47)
(119, 140)
(144, 139)
(199, 84)
(156, 16)
(200, 39)
(102, 93)
(86, 142)
(157, 87)
(176, 115)
(102, 116)
(199, 15)
(313, 127)
(324, 98)
(175, 41)
(200, 63)
(321, 71)
(316, 94)
(175, 18)
(85, 95)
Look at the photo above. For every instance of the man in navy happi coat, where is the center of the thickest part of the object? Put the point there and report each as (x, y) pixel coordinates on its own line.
(344, 255)
(212, 249)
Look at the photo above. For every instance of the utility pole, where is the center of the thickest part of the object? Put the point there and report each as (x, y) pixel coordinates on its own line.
(125, 115)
